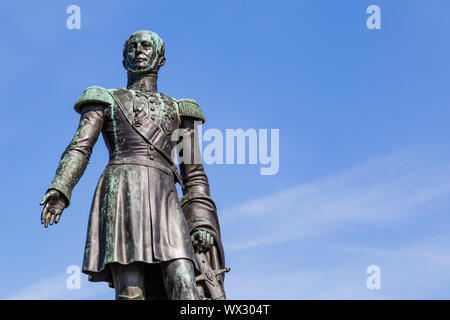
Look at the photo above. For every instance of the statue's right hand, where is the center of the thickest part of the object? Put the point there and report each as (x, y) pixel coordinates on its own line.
(54, 204)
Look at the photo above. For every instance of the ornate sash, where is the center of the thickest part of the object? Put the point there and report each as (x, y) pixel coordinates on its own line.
(151, 132)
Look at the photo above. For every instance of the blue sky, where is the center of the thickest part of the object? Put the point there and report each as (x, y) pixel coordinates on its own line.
(364, 141)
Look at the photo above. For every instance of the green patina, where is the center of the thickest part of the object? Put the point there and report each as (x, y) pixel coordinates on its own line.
(81, 129)
(182, 280)
(190, 108)
(134, 204)
(108, 209)
(158, 52)
(159, 107)
(72, 163)
(116, 141)
(93, 94)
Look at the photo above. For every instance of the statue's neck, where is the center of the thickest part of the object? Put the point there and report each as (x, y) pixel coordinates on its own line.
(143, 82)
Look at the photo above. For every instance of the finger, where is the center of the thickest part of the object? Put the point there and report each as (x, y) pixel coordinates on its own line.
(52, 219)
(211, 240)
(44, 213)
(44, 199)
(207, 237)
(203, 243)
(56, 212)
(57, 218)
(193, 240)
(47, 218)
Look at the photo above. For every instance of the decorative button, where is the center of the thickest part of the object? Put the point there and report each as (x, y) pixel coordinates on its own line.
(152, 108)
(152, 148)
(153, 117)
(152, 157)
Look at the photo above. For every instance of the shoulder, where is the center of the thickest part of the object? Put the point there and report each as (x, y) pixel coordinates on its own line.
(94, 94)
(190, 108)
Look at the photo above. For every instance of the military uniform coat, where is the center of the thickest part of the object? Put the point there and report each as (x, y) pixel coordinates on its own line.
(136, 214)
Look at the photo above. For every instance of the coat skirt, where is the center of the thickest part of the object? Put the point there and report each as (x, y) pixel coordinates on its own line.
(135, 216)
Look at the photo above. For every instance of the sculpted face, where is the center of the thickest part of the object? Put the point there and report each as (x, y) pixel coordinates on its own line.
(139, 52)
(142, 53)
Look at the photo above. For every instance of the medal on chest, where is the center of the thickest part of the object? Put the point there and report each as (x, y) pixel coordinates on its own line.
(155, 107)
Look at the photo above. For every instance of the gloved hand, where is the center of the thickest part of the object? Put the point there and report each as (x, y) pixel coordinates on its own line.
(202, 240)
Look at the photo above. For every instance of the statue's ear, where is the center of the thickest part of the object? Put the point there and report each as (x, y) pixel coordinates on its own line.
(162, 60)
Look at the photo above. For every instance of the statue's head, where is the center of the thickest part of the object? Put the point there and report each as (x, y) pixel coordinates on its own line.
(143, 52)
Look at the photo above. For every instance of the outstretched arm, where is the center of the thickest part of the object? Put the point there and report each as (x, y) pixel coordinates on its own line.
(73, 164)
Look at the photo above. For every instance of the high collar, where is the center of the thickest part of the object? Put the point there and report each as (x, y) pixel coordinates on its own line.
(143, 82)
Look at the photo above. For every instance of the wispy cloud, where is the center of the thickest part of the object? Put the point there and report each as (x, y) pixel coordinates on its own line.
(54, 288)
(379, 190)
(412, 271)
(380, 194)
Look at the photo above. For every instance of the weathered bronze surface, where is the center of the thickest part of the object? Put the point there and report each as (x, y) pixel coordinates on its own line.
(142, 239)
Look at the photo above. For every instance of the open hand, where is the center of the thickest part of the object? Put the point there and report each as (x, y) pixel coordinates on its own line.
(54, 204)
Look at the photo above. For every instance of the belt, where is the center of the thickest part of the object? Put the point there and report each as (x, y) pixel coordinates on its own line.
(142, 162)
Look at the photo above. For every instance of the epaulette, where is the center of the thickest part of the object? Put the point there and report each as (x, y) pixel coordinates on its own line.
(190, 108)
(94, 95)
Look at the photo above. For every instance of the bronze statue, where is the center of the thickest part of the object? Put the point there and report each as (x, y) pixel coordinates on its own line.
(141, 238)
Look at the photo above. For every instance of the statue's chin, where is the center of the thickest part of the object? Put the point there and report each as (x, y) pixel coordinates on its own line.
(141, 70)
